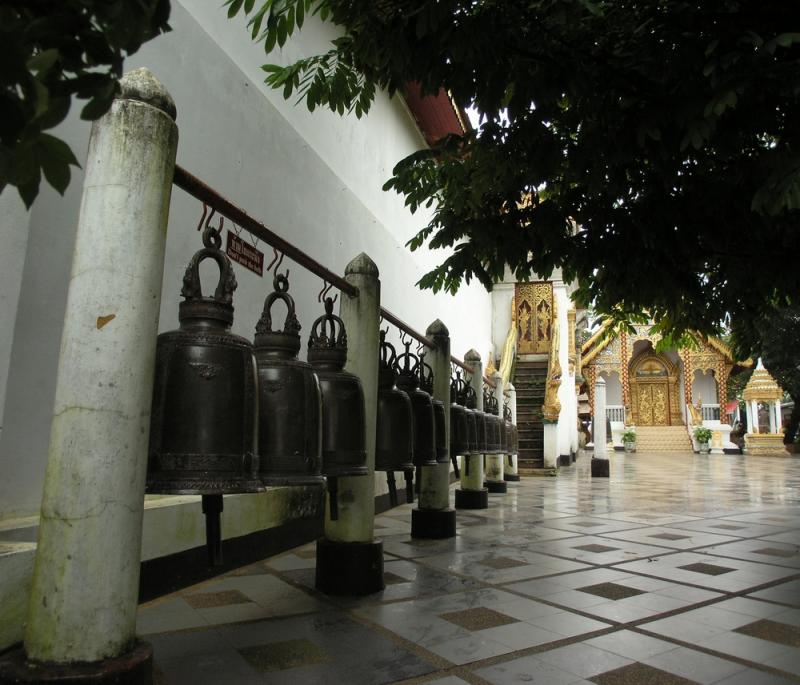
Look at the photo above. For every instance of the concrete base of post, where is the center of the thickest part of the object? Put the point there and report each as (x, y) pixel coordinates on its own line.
(433, 524)
(600, 468)
(496, 487)
(511, 477)
(350, 569)
(472, 499)
(131, 668)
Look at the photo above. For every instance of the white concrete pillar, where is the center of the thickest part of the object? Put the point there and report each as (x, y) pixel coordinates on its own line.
(599, 419)
(434, 490)
(86, 578)
(495, 463)
(748, 410)
(756, 427)
(434, 518)
(472, 470)
(361, 316)
(511, 466)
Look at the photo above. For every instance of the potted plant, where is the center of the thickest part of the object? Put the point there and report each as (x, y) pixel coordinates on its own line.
(703, 437)
(629, 440)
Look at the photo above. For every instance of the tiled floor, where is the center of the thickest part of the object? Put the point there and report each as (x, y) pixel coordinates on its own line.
(675, 570)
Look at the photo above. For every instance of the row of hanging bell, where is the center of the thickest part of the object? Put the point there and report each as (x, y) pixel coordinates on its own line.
(232, 417)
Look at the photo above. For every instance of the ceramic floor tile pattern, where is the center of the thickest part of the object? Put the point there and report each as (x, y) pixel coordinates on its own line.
(677, 569)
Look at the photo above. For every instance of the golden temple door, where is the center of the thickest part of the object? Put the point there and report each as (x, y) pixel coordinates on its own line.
(534, 309)
(653, 404)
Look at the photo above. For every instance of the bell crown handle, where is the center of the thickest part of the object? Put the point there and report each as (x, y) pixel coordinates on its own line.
(328, 330)
(226, 286)
(291, 325)
(388, 355)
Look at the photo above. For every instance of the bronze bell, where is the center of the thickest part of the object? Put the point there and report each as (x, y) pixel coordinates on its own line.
(504, 431)
(408, 380)
(459, 430)
(426, 385)
(203, 419)
(493, 423)
(394, 439)
(290, 404)
(467, 400)
(344, 450)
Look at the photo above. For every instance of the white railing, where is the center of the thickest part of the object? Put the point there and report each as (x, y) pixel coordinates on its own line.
(710, 412)
(615, 412)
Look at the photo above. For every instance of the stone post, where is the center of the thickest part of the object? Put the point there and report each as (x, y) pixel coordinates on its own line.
(435, 518)
(494, 462)
(472, 494)
(600, 457)
(349, 560)
(511, 472)
(776, 428)
(86, 576)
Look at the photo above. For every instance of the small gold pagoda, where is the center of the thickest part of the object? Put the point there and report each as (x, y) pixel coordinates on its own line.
(762, 391)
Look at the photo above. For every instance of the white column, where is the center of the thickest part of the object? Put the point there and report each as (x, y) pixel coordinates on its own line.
(748, 410)
(512, 458)
(86, 577)
(495, 462)
(599, 419)
(756, 427)
(361, 316)
(434, 487)
(474, 479)
(776, 428)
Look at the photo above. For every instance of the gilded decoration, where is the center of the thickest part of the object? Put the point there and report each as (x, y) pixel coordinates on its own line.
(572, 350)
(762, 387)
(552, 406)
(654, 390)
(535, 317)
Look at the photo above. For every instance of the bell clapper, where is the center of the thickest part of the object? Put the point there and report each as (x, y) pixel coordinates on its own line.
(454, 459)
(409, 473)
(333, 497)
(392, 488)
(212, 508)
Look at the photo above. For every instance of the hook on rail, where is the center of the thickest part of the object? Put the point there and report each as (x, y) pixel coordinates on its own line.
(277, 260)
(212, 237)
(326, 288)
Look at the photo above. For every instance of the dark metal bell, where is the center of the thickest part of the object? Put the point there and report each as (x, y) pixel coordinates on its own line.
(426, 385)
(508, 431)
(459, 429)
(290, 403)
(492, 424)
(408, 380)
(394, 439)
(203, 419)
(344, 451)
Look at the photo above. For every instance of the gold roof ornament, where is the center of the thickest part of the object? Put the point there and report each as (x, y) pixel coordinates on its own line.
(762, 386)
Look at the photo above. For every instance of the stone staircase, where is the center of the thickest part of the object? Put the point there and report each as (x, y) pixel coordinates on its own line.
(529, 381)
(662, 439)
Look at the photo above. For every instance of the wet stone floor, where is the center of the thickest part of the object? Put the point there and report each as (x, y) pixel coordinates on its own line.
(677, 569)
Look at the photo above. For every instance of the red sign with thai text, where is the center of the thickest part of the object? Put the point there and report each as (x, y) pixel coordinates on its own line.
(242, 253)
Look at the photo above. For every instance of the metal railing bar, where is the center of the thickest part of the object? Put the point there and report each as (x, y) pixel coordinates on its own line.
(403, 326)
(205, 193)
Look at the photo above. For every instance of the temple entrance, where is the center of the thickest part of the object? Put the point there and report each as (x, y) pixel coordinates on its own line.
(653, 404)
(534, 307)
(654, 390)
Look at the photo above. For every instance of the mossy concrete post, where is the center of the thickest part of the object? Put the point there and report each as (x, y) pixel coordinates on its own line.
(472, 494)
(434, 517)
(495, 463)
(600, 466)
(86, 575)
(349, 560)
(511, 471)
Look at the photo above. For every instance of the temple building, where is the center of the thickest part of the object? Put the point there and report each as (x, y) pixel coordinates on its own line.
(661, 392)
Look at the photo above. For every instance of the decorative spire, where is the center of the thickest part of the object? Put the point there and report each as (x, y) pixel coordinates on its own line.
(762, 386)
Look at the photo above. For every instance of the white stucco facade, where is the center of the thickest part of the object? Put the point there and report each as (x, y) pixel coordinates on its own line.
(314, 179)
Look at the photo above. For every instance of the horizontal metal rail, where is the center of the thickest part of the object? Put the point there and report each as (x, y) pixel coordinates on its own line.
(403, 326)
(203, 192)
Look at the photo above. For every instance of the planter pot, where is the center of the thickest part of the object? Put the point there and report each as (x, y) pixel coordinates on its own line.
(629, 447)
(703, 447)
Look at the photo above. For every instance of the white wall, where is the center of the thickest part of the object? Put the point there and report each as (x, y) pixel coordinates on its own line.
(613, 388)
(704, 386)
(313, 179)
